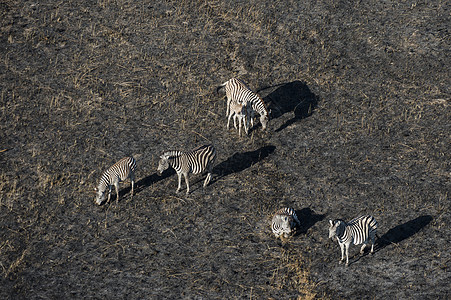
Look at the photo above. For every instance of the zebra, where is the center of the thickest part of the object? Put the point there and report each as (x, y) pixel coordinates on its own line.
(284, 222)
(240, 112)
(360, 230)
(118, 172)
(195, 161)
(238, 91)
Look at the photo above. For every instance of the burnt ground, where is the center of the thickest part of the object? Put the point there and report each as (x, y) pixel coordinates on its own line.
(359, 95)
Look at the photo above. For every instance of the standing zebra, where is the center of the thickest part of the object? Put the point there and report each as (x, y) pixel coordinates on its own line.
(195, 161)
(238, 91)
(361, 230)
(240, 112)
(118, 172)
(283, 222)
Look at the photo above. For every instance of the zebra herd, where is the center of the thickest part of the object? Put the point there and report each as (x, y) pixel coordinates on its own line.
(243, 105)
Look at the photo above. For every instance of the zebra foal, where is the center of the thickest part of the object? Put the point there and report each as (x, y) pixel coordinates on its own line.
(237, 91)
(196, 161)
(284, 222)
(240, 112)
(118, 172)
(361, 230)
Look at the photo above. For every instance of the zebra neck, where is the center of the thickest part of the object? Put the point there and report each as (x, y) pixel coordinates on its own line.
(341, 232)
(104, 183)
(261, 109)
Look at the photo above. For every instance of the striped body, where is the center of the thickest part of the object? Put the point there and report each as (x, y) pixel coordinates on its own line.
(361, 230)
(118, 172)
(196, 161)
(284, 222)
(237, 91)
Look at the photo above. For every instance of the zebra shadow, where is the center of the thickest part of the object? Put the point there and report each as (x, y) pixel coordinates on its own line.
(308, 218)
(241, 161)
(403, 231)
(293, 97)
(145, 182)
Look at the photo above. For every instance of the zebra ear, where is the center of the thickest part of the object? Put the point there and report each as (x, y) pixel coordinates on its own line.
(331, 223)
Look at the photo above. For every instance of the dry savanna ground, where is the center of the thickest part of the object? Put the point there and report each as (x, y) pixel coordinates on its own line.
(359, 94)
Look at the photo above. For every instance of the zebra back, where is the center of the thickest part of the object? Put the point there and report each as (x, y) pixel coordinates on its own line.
(357, 231)
(284, 221)
(195, 161)
(362, 228)
(120, 171)
(200, 158)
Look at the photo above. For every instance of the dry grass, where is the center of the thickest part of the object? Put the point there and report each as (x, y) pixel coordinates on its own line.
(361, 99)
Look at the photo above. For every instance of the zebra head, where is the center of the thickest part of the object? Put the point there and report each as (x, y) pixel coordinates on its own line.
(282, 225)
(336, 228)
(101, 195)
(264, 120)
(163, 164)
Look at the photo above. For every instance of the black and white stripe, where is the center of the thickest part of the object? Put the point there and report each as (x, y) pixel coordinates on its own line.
(196, 161)
(118, 172)
(361, 230)
(238, 91)
(284, 222)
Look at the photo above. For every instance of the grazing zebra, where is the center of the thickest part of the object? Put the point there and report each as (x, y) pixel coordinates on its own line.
(361, 230)
(240, 112)
(118, 172)
(284, 222)
(238, 91)
(195, 161)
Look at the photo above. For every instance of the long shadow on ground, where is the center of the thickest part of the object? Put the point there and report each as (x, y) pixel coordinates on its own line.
(308, 218)
(291, 97)
(403, 231)
(397, 234)
(241, 161)
(145, 182)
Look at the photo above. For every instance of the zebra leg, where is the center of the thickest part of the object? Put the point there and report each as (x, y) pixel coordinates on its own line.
(239, 125)
(228, 121)
(373, 238)
(132, 178)
(342, 248)
(347, 254)
(116, 185)
(207, 180)
(109, 194)
(246, 122)
(179, 175)
(362, 250)
(187, 183)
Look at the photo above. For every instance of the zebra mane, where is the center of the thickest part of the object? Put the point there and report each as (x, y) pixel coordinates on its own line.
(171, 154)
